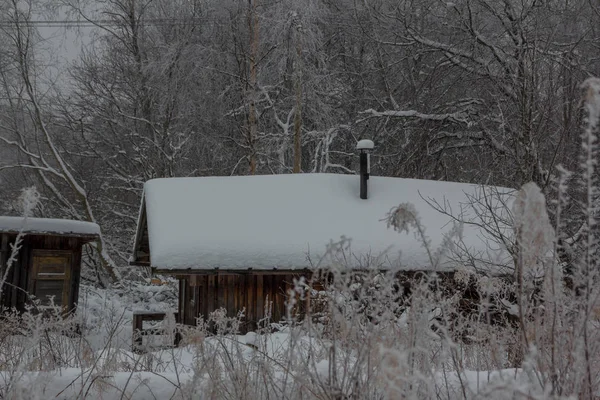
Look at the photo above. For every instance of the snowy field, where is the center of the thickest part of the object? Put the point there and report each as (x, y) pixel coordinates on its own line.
(172, 375)
(303, 362)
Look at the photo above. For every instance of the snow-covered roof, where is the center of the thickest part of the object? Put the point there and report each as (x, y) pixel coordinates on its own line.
(48, 226)
(290, 222)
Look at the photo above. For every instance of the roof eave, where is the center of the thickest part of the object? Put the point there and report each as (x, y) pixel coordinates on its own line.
(89, 237)
(136, 263)
(216, 271)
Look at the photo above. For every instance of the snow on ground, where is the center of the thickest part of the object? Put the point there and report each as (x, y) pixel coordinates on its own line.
(74, 383)
(99, 364)
(108, 314)
(172, 374)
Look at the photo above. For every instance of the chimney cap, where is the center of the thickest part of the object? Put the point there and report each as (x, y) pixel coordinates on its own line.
(365, 144)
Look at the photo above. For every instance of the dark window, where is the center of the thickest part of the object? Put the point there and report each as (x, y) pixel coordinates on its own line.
(45, 289)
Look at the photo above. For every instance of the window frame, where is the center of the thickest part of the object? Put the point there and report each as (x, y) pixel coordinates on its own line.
(50, 276)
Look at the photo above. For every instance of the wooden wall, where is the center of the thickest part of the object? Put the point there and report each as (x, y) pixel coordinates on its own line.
(14, 293)
(200, 295)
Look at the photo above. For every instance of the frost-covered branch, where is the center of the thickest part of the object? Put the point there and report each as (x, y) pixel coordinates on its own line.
(455, 117)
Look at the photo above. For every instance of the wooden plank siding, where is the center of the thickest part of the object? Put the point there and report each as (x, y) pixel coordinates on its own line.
(20, 278)
(255, 293)
(142, 243)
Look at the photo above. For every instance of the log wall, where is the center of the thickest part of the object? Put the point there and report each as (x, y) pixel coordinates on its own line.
(258, 294)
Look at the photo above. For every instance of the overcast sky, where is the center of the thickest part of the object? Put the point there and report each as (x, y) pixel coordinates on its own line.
(60, 47)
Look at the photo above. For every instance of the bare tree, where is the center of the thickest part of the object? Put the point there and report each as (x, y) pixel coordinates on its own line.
(28, 113)
(522, 63)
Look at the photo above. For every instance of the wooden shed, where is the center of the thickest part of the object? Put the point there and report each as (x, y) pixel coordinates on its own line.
(48, 262)
(239, 243)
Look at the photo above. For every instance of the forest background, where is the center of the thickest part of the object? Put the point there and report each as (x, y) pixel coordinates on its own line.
(480, 91)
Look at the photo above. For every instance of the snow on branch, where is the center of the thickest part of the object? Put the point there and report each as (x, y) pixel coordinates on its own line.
(455, 117)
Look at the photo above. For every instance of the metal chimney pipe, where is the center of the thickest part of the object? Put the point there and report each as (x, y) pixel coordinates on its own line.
(364, 146)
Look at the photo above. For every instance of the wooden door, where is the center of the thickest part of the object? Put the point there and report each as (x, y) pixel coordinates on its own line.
(51, 276)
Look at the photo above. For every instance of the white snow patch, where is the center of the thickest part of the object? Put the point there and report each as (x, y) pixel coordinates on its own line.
(72, 383)
(107, 314)
(365, 144)
(251, 339)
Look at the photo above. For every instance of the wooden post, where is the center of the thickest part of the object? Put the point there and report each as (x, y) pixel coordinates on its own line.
(3, 259)
(137, 339)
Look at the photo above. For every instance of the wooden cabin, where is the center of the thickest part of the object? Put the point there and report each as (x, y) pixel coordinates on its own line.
(239, 242)
(48, 262)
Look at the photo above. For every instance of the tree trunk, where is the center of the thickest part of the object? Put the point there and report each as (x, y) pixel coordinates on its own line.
(298, 108)
(252, 121)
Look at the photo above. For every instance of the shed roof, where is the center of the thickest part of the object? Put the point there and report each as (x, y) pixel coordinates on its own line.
(290, 221)
(48, 226)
